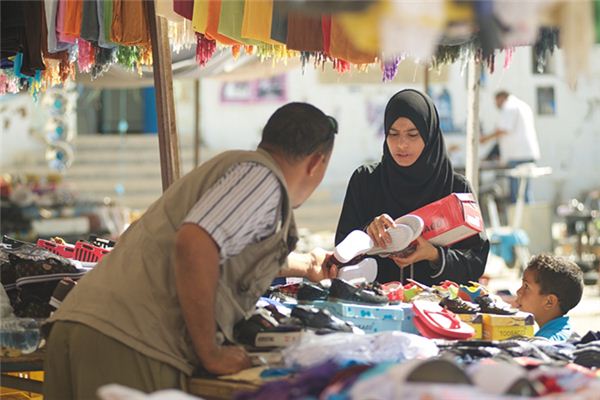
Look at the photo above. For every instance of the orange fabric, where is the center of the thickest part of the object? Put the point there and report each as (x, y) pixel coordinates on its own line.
(258, 18)
(129, 23)
(73, 16)
(341, 47)
(212, 25)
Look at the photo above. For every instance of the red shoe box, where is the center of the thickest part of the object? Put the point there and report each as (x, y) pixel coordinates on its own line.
(451, 219)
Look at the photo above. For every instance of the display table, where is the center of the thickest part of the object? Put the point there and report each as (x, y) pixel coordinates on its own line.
(24, 363)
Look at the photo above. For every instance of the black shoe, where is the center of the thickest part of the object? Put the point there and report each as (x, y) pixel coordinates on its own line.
(459, 306)
(310, 292)
(490, 306)
(341, 290)
(319, 319)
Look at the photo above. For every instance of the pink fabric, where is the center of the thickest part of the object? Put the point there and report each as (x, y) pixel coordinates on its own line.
(60, 23)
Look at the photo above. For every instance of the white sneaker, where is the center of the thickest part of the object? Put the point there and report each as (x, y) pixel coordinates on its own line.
(415, 222)
(401, 235)
(366, 269)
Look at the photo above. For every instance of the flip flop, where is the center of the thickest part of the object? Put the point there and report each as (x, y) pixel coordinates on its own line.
(442, 321)
(425, 331)
(366, 269)
(355, 244)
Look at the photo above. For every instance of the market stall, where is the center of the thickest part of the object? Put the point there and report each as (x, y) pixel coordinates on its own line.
(299, 325)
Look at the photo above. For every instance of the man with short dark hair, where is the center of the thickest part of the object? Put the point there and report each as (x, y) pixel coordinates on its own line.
(167, 297)
(551, 287)
(517, 137)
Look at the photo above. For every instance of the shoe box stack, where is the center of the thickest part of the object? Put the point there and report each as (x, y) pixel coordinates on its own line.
(502, 327)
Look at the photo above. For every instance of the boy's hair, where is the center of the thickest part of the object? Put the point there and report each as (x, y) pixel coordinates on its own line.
(560, 277)
(298, 130)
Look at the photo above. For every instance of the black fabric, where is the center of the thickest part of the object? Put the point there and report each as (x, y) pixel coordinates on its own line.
(386, 187)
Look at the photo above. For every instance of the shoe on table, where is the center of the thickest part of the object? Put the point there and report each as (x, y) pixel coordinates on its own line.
(459, 306)
(490, 305)
(344, 291)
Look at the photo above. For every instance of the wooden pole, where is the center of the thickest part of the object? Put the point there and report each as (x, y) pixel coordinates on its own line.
(197, 123)
(472, 150)
(426, 79)
(165, 105)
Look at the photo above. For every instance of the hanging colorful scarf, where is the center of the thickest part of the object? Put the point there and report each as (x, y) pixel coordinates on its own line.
(185, 8)
(86, 55)
(597, 19)
(104, 59)
(342, 48)
(200, 16)
(339, 65)
(73, 14)
(304, 32)
(54, 46)
(129, 23)
(362, 29)
(205, 49)
(279, 21)
(212, 26)
(60, 23)
(230, 21)
(104, 24)
(89, 21)
(258, 18)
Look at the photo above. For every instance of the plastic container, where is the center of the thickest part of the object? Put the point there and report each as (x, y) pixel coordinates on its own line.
(19, 336)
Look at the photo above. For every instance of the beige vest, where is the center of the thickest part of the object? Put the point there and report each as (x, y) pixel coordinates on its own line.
(131, 294)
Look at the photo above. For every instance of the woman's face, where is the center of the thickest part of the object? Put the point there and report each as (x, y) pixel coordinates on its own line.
(404, 142)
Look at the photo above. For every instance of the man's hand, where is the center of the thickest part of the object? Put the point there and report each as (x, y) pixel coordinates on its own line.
(320, 266)
(424, 251)
(225, 360)
(378, 230)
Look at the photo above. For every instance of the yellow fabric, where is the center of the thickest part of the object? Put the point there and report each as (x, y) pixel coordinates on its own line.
(200, 16)
(362, 29)
(257, 21)
(342, 47)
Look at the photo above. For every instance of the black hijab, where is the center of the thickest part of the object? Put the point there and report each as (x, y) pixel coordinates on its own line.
(431, 176)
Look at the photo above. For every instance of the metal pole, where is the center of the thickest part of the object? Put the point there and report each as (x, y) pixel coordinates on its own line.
(472, 150)
(165, 105)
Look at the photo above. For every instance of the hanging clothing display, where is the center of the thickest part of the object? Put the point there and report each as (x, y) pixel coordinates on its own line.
(230, 21)
(304, 32)
(129, 26)
(258, 20)
(212, 25)
(72, 17)
(90, 28)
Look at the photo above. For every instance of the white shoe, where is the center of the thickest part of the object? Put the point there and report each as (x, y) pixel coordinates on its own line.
(366, 269)
(415, 222)
(355, 244)
(401, 235)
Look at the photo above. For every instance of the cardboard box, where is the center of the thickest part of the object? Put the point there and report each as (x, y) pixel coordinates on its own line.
(502, 327)
(475, 321)
(373, 318)
(451, 219)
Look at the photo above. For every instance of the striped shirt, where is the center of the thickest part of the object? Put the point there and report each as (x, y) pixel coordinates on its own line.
(243, 207)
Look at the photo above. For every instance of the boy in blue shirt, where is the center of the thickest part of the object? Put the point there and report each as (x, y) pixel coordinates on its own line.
(551, 286)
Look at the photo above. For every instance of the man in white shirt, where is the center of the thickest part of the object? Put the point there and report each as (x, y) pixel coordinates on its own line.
(517, 138)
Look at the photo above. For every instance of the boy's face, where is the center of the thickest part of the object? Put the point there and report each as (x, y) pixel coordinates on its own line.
(529, 298)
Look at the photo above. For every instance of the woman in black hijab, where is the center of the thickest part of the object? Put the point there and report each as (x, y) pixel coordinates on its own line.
(414, 171)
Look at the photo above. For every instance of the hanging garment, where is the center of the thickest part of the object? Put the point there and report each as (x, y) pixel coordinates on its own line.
(279, 23)
(362, 29)
(61, 23)
(212, 26)
(341, 47)
(304, 32)
(90, 29)
(230, 21)
(200, 16)
(129, 24)
(51, 8)
(597, 19)
(73, 14)
(104, 14)
(520, 22)
(257, 22)
(185, 8)
(21, 32)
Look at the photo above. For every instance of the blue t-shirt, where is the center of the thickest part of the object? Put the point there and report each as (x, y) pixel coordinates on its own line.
(558, 330)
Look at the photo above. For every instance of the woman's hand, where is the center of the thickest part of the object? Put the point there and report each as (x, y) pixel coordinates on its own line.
(377, 230)
(424, 251)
